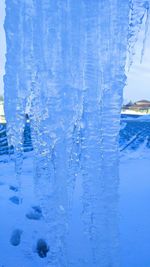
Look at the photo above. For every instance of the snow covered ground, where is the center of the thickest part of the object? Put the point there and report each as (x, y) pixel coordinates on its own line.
(22, 225)
(134, 209)
(19, 217)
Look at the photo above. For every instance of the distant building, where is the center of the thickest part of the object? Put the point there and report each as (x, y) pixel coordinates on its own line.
(142, 106)
(2, 115)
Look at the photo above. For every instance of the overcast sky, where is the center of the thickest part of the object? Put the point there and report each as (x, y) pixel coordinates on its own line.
(138, 82)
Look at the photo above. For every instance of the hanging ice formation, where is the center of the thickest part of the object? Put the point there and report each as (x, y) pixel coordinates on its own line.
(65, 62)
(139, 12)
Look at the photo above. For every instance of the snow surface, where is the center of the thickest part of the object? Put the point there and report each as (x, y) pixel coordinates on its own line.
(133, 205)
(134, 211)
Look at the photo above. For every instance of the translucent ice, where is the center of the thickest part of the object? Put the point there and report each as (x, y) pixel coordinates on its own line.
(66, 67)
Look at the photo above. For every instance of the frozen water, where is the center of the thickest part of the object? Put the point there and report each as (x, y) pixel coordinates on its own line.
(65, 67)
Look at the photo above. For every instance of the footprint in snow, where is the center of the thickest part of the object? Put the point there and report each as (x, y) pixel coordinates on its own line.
(13, 188)
(42, 248)
(16, 237)
(35, 213)
(16, 200)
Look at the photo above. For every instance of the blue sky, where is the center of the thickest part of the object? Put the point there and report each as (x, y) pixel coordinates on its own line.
(138, 78)
(138, 82)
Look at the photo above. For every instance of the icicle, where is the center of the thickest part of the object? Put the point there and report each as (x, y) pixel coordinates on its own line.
(70, 74)
(14, 93)
(104, 81)
(146, 30)
(138, 11)
(54, 111)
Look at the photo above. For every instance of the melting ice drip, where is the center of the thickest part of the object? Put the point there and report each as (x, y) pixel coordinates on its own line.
(66, 66)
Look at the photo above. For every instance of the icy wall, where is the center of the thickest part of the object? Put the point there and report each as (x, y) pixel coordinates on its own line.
(66, 67)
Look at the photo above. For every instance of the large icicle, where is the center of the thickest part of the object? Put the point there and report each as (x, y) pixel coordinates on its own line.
(55, 108)
(104, 79)
(15, 92)
(66, 64)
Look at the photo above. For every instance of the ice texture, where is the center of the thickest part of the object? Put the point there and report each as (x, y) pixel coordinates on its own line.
(65, 67)
(139, 13)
